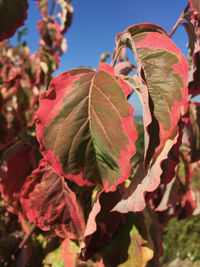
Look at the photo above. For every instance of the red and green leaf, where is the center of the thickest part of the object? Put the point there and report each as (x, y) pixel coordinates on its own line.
(162, 72)
(50, 32)
(47, 7)
(12, 16)
(48, 201)
(162, 77)
(85, 127)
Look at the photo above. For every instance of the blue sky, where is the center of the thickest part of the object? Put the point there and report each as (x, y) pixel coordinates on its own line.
(96, 23)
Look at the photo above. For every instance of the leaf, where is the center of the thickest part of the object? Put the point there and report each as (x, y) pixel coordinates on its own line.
(192, 28)
(43, 6)
(85, 127)
(12, 16)
(6, 136)
(47, 201)
(16, 164)
(189, 202)
(104, 57)
(50, 32)
(131, 245)
(194, 80)
(189, 27)
(170, 195)
(191, 134)
(148, 180)
(65, 15)
(124, 67)
(195, 5)
(69, 253)
(162, 72)
(53, 259)
(102, 224)
(194, 128)
(129, 248)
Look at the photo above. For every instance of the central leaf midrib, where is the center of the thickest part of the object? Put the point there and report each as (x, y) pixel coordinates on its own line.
(104, 130)
(109, 102)
(90, 109)
(60, 129)
(89, 117)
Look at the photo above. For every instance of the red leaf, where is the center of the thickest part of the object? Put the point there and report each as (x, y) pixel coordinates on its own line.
(192, 28)
(69, 253)
(194, 80)
(48, 201)
(85, 127)
(50, 32)
(123, 68)
(195, 6)
(12, 16)
(193, 129)
(65, 15)
(189, 203)
(17, 162)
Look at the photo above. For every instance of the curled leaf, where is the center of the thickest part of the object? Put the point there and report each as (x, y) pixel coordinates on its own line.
(147, 181)
(162, 72)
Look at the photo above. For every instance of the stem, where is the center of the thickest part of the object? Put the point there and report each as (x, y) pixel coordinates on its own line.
(27, 236)
(178, 22)
(114, 60)
(52, 8)
(13, 257)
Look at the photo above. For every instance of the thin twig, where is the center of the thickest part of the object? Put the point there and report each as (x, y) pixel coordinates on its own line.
(53, 8)
(27, 236)
(12, 258)
(178, 22)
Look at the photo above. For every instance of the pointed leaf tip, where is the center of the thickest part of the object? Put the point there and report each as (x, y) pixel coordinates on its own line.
(85, 127)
